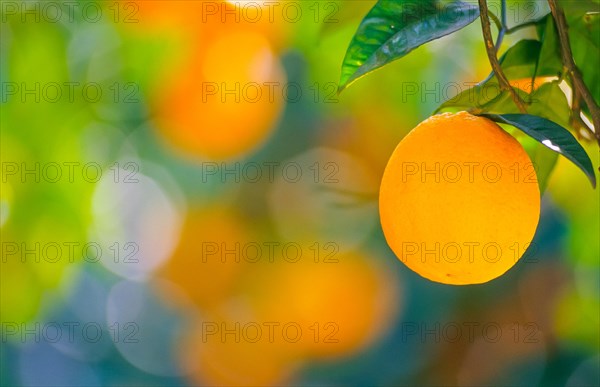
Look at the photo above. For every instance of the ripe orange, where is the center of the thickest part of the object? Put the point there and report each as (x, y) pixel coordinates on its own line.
(459, 200)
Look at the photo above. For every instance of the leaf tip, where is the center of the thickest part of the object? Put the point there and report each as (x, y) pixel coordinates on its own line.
(345, 83)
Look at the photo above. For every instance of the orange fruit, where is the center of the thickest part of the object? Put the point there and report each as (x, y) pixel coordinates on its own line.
(459, 200)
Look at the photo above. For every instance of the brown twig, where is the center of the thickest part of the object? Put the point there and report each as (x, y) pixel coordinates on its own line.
(576, 119)
(493, 57)
(579, 85)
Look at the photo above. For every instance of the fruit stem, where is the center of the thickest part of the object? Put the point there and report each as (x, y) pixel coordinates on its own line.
(579, 85)
(493, 57)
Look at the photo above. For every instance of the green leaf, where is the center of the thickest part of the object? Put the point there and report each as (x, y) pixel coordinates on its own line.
(544, 160)
(476, 98)
(552, 135)
(579, 7)
(393, 28)
(520, 60)
(550, 60)
(550, 102)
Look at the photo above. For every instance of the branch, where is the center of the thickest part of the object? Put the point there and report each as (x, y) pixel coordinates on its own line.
(496, 21)
(579, 85)
(503, 27)
(493, 58)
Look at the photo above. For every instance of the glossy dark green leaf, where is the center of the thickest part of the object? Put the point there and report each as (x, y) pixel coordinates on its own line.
(552, 135)
(393, 28)
(520, 60)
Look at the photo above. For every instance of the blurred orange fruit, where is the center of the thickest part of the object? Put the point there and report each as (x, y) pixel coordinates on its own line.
(223, 98)
(227, 352)
(208, 260)
(158, 14)
(205, 19)
(225, 102)
(459, 200)
(331, 309)
(269, 19)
